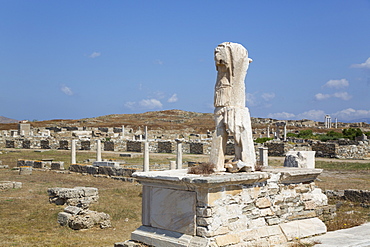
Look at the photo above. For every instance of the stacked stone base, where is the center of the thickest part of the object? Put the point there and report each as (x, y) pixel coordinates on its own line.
(79, 196)
(78, 218)
(7, 185)
(268, 208)
(77, 214)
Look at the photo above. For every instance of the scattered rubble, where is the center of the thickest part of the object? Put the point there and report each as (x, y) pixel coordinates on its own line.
(77, 215)
(79, 196)
(6, 185)
(78, 218)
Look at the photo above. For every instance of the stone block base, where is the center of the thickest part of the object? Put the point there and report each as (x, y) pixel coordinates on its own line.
(158, 237)
(277, 235)
(269, 208)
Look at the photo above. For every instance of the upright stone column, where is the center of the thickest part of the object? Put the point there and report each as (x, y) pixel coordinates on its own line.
(268, 131)
(277, 136)
(179, 154)
(123, 132)
(172, 165)
(285, 132)
(98, 150)
(73, 154)
(146, 157)
(263, 156)
(327, 122)
(146, 133)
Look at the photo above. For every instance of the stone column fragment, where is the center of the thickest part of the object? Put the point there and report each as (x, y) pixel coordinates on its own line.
(73, 152)
(98, 150)
(146, 157)
(179, 154)
(263, 151)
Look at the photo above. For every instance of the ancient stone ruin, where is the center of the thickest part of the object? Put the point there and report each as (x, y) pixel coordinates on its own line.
(77, 215)
(78, 218)
(7, 185)
(271, 207)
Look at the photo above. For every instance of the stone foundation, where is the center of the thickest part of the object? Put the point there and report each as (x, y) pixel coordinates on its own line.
(267, 208)
(6, 185)
(102, 170)
(79, 196)
(78, 218)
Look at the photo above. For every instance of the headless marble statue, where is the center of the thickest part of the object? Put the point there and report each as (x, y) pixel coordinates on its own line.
(231, 115)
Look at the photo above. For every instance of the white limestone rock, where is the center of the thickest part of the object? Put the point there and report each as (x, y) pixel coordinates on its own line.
(300, 159)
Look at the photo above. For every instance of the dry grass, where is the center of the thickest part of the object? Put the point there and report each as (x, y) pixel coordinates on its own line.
(202, 168)
(28, 219)
(349, 214)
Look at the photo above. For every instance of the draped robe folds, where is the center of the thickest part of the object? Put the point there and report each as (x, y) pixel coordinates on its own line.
(231, 115)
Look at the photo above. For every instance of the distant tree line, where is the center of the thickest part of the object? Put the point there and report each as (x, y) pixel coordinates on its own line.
(350, 133)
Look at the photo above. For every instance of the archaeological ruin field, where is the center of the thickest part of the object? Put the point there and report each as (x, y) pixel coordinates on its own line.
(28, 219)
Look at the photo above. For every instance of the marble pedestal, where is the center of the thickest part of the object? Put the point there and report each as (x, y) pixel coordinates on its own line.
(268, 208)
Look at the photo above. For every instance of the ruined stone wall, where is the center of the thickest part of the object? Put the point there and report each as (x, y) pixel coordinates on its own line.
(85, 145)
(360, 151)
(102, 170)
(275, 148)
(109, 146)
(63, 145)
(323, 149)
(262, 209)
(165, 147)
(362, 196)
(134, 146)
(196, 148)
(343, 149)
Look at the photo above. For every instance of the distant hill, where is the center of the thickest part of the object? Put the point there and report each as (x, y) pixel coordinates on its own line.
(156, 120)
(7, 120)
(360, 120)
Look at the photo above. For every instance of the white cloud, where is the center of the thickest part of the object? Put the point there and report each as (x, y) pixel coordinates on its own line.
(251, 99)
(94, 54)
(342, 95)
(317, 115)
(173, 98)
(311, 114)
(365, 65)
(281, 115)
(157, 94)
(150, 103)
(337, 83)
(321, 96)
(339, 95)
(130, 104)
(268, 96)
(351, 114)
(158, 61)
(66, 90)
(145, 104)
(348, 114)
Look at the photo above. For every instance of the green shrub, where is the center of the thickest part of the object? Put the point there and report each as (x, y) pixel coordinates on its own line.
(262, 140)
(351, 133)
(305, 134)
(290, 134)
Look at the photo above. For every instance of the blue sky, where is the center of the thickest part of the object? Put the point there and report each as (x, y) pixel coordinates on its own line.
(77, 59)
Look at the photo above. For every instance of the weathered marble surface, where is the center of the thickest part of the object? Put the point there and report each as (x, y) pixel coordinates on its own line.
(172, 210)
(301, 159)
(231, 115)
(230, 209)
